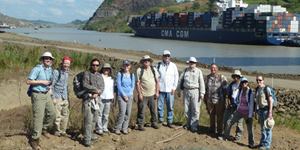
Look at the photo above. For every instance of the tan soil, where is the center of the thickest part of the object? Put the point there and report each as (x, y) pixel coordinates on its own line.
(15, 109)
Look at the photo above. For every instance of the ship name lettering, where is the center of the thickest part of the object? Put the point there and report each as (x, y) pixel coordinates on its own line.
(166, 33)
(182, 34)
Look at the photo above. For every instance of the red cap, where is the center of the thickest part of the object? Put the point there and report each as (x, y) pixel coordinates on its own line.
(67, 58)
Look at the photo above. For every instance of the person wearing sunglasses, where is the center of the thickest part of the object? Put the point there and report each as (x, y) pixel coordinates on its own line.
(93, 82)
(168, 80)
(245, 108)
(40, 80)
(264, 103)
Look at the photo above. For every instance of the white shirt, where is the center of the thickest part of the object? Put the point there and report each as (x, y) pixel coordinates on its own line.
(168, 78)
(108, 92)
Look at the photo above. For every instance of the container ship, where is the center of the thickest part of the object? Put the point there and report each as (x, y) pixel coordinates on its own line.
(233, 22)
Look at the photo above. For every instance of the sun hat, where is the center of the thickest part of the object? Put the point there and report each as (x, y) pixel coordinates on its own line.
(46, 54)
(126, 62)
(244, 79)
(166, 52)
(237, 73)
(192, 59)
(67, 58)
(146, 57)
(269, 123)
(106, 65)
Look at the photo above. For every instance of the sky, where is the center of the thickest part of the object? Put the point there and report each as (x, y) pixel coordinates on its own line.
(58, 11)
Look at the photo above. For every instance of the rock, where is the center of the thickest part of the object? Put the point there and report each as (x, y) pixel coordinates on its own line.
(181, 147)
(281, 110)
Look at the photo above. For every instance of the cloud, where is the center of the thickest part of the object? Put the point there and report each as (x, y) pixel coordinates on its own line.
(63, 3)
(33, 13)
(85, 13)
(41, 2)
(55, 11)
(12, 2)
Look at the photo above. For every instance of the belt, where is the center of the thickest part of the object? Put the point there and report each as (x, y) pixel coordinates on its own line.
(191, 88)
(40, 92)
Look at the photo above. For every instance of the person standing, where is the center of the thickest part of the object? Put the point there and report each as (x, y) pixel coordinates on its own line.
(94, 84)
(168, 80)
(125, 85)
(147, 86)
(264, 103)
(245, 101)
(215, 87)
(107, 97)
(232, 104)
(191, 80)
(42, 105)
(60, 97)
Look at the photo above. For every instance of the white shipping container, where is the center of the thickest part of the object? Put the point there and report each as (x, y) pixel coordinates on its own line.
(143, 23)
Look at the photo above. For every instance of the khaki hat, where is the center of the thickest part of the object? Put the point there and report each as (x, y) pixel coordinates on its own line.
(146, 57)
(46, 54)
(106, 65)
(269, 123)
(192, 59)
(236, 72)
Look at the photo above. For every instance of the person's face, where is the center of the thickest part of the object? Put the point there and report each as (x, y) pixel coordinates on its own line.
(244, 84)
(95, 65)
(214, 69)
(147, 62)
(259, 81)
(192, 64)
(166, 58)
(236, 78)
(126, 67)
(66, 64)
(47, 61)
(106, 71)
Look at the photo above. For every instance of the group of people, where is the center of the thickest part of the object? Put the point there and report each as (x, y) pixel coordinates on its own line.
(155, 86)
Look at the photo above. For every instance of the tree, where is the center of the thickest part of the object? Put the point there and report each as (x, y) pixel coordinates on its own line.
(196, 5)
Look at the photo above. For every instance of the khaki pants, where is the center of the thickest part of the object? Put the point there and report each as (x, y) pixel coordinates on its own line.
(152, 104)
(62, 115)
(90, 119)
(42, 106)
(213, 110)
(192, 105)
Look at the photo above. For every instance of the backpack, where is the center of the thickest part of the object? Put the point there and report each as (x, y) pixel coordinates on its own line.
(78, 85)
(152, 69)
(116, 86)
(182, 80)
(275, 105)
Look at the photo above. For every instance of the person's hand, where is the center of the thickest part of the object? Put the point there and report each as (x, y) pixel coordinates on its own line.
(229, 107)
(124, 96)
(270, 115)
(54, 101)
(202, 97)
(45, 82)
(255, 116)
(140, 97)
(156, 95)
(99, 92)
(179, 95)
(172, 92)
(95, 96)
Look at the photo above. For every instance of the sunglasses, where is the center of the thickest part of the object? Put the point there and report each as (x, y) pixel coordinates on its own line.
(258, 80)
(47, 58)
(147, 60)
(166, 55)
(95, 65)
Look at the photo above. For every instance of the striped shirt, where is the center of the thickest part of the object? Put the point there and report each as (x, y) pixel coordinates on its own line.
(243, 108)
(60, 86)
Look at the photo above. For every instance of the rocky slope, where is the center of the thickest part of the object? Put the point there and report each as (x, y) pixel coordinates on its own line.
(13, 21)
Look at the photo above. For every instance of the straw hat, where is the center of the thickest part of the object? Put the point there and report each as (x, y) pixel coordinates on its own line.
(269, 123)
(236, 72)
(146, 57)
(46, 54)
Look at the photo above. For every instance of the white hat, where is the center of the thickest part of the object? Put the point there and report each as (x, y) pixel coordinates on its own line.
(192, 59)
(146, 57)
(46, 54)
(269, 123)
(166, 52)
(237, 72)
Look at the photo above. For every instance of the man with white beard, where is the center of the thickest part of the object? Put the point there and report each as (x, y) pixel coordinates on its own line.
(192, 83)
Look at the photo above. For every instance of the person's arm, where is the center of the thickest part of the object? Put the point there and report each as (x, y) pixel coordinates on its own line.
(175, 82)
(270, 104)
(138, 86)
(119, 84)
(157, 84)
(86, 83)
(33, 76)
(54, 81)
(201, 85)
(251, 107)
(179, 83)
(132, 85)
(224, 85)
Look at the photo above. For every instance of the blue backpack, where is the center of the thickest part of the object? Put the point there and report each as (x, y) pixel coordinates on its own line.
(275, 105)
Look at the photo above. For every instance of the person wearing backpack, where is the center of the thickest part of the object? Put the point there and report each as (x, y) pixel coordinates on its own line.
(232, 104)
(168, 80)
(125, 85)
(147, 86)
(192, 83)
(93, 83)
(264, 103)
(107, 97)
(60, 97)
(245, 100)
(40, 81)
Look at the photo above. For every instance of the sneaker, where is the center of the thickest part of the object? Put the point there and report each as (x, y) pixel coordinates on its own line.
(99, 132)
(236, 138)
(160, 123)
(125, 132)
(35, 144)
(251, 146)
(87, 143)
(106, 131)
(155, 126)
(141, 128)
(221, 138)
(263, 148)
(186, 127)
(65, 135)
(170, 125)
(57, 134)
(193, 130)
(94, 138)
(118, 132)
(46, 134)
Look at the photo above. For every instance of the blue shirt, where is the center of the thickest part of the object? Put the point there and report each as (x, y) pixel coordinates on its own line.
(39, 72)
(126, 86)
(60, 87)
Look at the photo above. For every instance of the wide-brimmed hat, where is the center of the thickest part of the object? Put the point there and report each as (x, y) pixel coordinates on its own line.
(192, 59)
(146, 57)
(237, 73)
(106, 65)
(166, 52)
(46, 54)
(269, 123)
(126, 62)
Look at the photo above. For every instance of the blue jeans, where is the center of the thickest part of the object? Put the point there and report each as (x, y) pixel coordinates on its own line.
(266, 134)
(169, 102)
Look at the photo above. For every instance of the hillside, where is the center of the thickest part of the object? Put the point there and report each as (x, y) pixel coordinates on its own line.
(13, 21)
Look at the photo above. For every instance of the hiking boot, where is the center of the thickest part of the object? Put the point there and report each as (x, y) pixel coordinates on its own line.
(117, 132)
(221, 138)
(155, 126)
(125, 132)
(87, 143)
(193, 130)
(106, 131)
(99, 132)
(94, 138)
(57, 134)
(65, 135)
(160, 123)
(236, 138)
(186, 127)
(170, 125)
(35, 144)
(46, 134)
(251, 146)
(141, 128)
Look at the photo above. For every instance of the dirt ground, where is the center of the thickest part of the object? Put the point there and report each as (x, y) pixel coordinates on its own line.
(16, 112)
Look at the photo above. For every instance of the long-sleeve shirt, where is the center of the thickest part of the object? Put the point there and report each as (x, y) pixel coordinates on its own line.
(250, 100)
(60, 86)
(108, 92)
(168, 78)
(214, 88)
(126, 86)
(192, 79)
(93, 82)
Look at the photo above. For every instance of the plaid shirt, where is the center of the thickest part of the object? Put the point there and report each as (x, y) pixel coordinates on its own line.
(214, 88)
